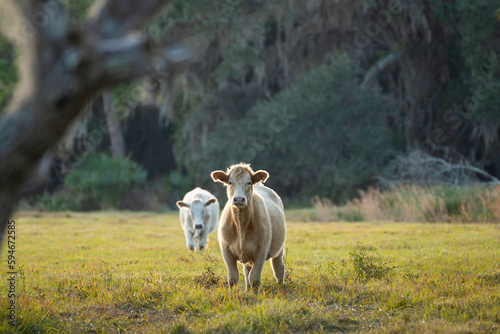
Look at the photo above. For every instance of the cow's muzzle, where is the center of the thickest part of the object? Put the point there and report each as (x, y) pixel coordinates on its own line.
(239, 201)
(198, 226)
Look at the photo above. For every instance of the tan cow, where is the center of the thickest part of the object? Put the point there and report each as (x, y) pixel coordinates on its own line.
(252, 226)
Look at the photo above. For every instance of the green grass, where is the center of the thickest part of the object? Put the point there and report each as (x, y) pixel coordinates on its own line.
(115, 272)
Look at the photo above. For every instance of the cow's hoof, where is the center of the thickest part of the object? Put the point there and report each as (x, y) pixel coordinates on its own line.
(254, 287)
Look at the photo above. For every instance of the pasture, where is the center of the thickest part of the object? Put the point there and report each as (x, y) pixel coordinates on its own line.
(118, 272)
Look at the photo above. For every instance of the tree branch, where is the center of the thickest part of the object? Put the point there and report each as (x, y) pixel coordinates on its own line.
(116, 18)
(381, 65)
(450, 166)
(421, 168)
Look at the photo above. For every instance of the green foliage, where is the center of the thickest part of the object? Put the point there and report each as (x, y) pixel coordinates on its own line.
(8, 72)
(176, 184)
(237, 62)
(448, 35)
(105, 179)
(78, 9)
(58, 201)
(128, 95)
(321, 136)
(479, 28)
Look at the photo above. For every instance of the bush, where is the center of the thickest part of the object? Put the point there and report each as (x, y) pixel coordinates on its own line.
(141, 200)
(105, 179)
(366, 267)
(62, 200)
(58, 201)
(176, 184)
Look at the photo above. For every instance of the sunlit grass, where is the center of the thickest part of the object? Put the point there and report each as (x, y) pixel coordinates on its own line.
(112, 272)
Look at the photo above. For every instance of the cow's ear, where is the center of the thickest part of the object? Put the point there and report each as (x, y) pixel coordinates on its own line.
(181, 204)
(210, 201)
(260, 176)
(220, 176)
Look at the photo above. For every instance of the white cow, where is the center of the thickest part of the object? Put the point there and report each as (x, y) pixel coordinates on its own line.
(199, 214)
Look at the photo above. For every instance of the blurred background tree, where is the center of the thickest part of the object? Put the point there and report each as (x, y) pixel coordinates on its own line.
(62, 65)
(8, 74)
(322, 63)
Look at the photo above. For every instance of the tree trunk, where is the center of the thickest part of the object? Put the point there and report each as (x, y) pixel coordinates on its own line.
(115, 129)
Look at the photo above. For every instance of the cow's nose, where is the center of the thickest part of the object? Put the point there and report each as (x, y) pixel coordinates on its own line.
(198, 226)
(239, 200)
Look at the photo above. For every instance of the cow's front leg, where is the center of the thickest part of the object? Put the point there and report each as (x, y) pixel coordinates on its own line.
(202, 244)
(189, 240)
(232, 269)
(256, 273)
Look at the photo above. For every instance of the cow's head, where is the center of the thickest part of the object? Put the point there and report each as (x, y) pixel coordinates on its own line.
(240, 180)
(197, 210)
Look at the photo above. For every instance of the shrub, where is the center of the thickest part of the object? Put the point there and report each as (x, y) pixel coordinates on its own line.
(141, 200)
(57, 201)
(366, 267)
(105, 179)
(176, 184)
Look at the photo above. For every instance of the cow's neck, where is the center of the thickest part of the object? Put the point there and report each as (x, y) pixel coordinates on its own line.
(243, 220)
(242, 217)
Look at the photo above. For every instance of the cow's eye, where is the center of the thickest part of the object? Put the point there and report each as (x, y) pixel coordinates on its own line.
(230, 183)
(249, 183)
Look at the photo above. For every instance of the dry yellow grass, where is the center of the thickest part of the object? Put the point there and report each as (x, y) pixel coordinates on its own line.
(410, 203)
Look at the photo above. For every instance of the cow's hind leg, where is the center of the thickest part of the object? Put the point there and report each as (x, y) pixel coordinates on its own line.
(278, 265)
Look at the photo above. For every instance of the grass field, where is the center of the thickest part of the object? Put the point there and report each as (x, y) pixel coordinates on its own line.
(114, 272)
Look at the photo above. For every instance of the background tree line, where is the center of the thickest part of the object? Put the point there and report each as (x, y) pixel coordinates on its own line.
(325, 95)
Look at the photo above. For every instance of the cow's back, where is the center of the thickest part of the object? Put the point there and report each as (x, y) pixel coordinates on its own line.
(276, 212)
(197, 193)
